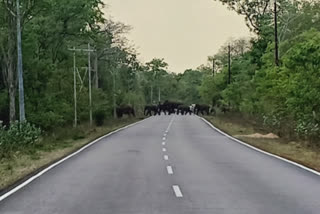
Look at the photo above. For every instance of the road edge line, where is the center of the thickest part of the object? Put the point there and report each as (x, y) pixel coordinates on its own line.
(260, 150)
(39, 174)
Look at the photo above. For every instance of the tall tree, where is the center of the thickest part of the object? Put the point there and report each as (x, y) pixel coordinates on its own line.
(8, 45)
(254, 11)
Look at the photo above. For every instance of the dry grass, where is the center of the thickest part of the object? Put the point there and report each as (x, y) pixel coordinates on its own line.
(298, 151)
(51, 150)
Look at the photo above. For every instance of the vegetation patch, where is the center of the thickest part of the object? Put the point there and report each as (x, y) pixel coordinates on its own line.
(243, 129)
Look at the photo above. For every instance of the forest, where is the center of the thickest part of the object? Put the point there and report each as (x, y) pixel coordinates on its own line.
(282, 92)
(242, 77)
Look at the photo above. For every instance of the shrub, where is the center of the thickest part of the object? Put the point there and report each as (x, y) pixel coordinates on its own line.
(16, 136)
(307, 128)
(272, 121)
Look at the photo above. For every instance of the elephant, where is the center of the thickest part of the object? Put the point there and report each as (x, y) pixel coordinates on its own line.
(201, 109)
(149, 109)
(128, 110)
(162, 108)
(171, 107)
(183, 110)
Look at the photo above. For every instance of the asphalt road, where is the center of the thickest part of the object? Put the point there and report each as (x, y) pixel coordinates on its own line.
(191, 169)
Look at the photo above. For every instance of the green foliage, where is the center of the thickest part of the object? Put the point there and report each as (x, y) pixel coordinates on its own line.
(17, 136)
(309, 129)
(188, 84)
(284, 97)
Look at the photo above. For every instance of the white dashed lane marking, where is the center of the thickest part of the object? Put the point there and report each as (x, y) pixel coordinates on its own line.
(177, 191)
(170, 170)
(170, 124)
(176, 188)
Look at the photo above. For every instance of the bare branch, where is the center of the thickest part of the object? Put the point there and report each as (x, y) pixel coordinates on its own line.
(9, 10)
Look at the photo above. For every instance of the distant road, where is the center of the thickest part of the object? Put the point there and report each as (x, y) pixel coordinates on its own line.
(190, 169)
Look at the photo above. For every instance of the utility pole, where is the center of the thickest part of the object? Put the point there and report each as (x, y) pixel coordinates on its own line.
(74, 50)
(159, 95)
(153, 82)
(96, 67)
(229, 64)
(213, 66)
(276, 34)
(90, 95)
(114, 95)
(22, 114)
(75, 88)
(151, 94)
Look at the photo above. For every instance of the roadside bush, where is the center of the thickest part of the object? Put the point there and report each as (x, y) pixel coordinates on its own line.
(16, 136)
(99, 117)
(307, 128)
(272, 121)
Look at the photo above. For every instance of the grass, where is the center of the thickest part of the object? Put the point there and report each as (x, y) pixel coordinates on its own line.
(51, 148)
(296, 150)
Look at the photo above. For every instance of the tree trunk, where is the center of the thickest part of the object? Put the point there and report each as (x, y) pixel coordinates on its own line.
(11, 83)
(12, 103)
(8, 69)
(8, 49)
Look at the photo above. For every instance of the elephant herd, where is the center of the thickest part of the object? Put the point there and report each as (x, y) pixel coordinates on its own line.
(169, 107)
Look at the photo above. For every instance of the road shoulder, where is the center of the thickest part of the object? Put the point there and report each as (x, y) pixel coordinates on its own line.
(296, 153)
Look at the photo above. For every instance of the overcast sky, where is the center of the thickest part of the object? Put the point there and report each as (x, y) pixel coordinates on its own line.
(183, 32)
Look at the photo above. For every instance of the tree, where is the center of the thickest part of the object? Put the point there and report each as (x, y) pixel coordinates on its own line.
(8, 52)
(156, 68)
(255, 11)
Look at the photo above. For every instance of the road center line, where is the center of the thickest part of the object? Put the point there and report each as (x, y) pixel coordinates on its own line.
(170, 124)
(164, 138)
(164, 149)
(170, 170)
(166, 157)
(163, 143)
(177, 191)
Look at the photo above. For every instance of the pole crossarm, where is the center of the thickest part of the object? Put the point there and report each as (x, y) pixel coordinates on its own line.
(81, 50)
